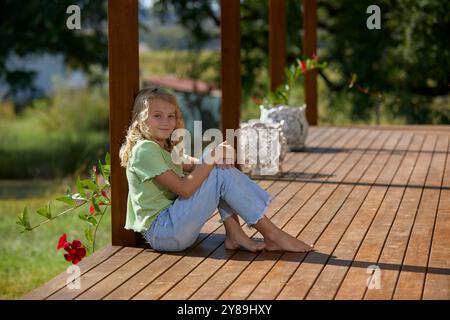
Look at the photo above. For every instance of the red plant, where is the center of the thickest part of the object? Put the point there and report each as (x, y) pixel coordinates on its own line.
(303, 66)
(62, 241)
(75, 250)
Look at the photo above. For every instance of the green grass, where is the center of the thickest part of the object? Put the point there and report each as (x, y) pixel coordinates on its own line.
(28, 150)
(30, 259)
(204, 65)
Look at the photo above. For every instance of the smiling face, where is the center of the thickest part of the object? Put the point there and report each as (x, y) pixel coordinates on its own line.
(161, 119)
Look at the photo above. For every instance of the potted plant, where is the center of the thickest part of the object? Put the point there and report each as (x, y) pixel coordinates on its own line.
(278, 106)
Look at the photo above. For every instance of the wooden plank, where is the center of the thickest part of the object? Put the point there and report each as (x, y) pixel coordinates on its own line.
(341, 252)
(440, 129)
(159, 286)
(123, 57)
(355, 279)
(118, 277)
(96, 274)
(212, 224)
(157, 267)
(414, 266)
(230, 64)
(256, 272)
(395, 246)
(309, 48)
(179, 272)
(187, 286)
(275, 189)
(309, 228)
(60, 281)
(277, 42)
(127, 271)
(437, 281)
(222, 278)
(110, 282)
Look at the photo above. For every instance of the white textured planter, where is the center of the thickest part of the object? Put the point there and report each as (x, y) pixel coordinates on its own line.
(294, 124)
(261, 147)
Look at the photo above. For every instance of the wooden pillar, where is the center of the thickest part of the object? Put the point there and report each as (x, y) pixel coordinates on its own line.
(277, 42)
(230, 64)
(123, 55)
(309, 47)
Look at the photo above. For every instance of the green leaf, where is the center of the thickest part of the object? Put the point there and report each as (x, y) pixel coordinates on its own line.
(80, 188)
(45, 211)
(88, 235)
(108, 159)
(88, 218)
(103, 199)
(67, 199)
(95, 202)
(92, 220)
(352, 81)
(24, 220)
(89, 184)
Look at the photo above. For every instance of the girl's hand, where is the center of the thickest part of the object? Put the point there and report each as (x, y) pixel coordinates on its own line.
(224, 155)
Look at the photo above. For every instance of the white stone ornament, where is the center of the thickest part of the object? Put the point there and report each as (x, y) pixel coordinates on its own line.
(294, 127)
(261, 147)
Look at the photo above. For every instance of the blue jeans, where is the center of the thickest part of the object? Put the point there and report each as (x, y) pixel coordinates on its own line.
(229, 190)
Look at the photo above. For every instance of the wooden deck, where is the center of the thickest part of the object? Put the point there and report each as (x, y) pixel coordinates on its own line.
(365, 196)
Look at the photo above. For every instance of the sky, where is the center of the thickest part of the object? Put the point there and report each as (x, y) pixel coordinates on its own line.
(146, 3)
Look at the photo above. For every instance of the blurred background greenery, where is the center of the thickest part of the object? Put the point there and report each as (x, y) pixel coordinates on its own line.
(54, 91)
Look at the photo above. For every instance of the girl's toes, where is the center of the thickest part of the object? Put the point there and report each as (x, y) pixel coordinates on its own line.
(260, 246)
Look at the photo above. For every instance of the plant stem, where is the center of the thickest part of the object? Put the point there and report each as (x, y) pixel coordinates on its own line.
(96, 227)
(59, 214)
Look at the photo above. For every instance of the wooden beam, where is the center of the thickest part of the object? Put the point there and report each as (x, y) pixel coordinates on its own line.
(309, 48)
(123, 57)
(230, 64)
(277, 42)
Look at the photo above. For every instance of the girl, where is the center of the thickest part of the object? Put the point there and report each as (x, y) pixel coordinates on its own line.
(170, 208)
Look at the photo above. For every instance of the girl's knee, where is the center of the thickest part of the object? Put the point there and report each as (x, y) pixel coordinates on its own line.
(187, 243)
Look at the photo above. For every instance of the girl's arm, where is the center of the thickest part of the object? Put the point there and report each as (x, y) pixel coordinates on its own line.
(190, 166)
(186, 186)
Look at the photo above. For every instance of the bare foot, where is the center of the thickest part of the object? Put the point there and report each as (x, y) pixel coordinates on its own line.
(240, 240)
(286, 242)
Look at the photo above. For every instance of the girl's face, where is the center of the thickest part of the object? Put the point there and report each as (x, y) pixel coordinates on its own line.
(161, 119)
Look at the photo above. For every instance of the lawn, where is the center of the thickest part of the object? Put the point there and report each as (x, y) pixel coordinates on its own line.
(30, 259)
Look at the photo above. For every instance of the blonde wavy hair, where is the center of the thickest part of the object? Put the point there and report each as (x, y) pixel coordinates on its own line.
(138, 129)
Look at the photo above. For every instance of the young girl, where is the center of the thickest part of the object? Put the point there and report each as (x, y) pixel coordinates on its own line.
(168, 207)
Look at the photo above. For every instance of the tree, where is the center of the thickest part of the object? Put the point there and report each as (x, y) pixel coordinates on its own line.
(37, 27)
(408, 60)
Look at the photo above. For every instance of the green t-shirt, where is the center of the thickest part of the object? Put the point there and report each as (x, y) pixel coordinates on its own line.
(146, 198)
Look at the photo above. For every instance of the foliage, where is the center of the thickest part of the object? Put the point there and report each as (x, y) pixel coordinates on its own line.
(41, 28)
(408, 60)
(55, 137)
(282, 94)
(93, 191)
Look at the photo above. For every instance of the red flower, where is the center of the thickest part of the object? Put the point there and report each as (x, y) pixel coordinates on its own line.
(303, 66)
(75, 251)
(92, 209)
(256, 100)
(62, 241)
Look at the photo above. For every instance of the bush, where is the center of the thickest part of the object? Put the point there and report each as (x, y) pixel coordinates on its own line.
(55, 137)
